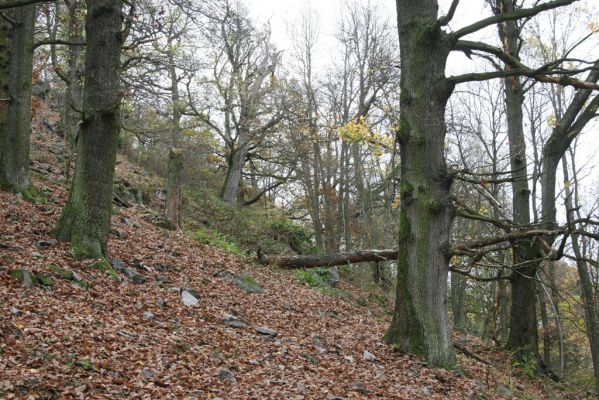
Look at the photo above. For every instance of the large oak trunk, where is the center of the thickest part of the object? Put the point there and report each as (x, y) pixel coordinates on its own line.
(420, 321)
(85, 219)
(15, 113)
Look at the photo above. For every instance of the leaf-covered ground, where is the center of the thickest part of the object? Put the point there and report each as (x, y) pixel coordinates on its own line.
(122, 340)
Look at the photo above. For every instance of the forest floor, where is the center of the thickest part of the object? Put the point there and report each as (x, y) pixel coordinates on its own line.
(89, 332)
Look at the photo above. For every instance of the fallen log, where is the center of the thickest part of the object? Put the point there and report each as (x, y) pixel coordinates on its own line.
(327, 260)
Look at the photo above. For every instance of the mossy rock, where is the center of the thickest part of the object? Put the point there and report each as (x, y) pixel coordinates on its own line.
(247, 283)
(44, 280)
(104, 265)
(24, 276)
(61, 272)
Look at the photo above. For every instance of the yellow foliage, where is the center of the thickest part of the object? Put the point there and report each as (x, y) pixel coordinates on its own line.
(358, 131)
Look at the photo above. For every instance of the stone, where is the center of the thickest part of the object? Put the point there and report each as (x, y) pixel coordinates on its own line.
(368, 356)
(148, 315)
(226, 375)
(426, 391)
(334, 278)
(188, 299)
(359, 387)
(161, 303)
(191, 291)
(15, 311)
(246, 282)
(135, 277)
(350, 359)
(266, 331)
(117, 264)
(24, 276)
(233, 321)
(37, 254)
(44, 244)
(57, 148)
(148, 373)
(503, 391)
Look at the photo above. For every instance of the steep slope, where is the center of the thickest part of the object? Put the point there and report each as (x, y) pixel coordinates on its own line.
(131, 336)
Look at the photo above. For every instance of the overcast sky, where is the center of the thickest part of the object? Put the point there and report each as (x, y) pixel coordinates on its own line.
(281, 13)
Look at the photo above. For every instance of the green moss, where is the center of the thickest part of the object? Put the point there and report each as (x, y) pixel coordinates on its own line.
(18, 274)
(63, 273)
(416, 340)
(103, 265)
(44, 280)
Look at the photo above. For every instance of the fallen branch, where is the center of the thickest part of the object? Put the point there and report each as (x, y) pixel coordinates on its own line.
(327, 260)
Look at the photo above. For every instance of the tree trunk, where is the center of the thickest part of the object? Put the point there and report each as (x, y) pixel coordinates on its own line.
(328, 260)
(16, 120)
(545, 325)
(85, 219)
(420, 321)
(586, 283)
(458, 287)
(172, 209)
(523, 337)
(230, 192)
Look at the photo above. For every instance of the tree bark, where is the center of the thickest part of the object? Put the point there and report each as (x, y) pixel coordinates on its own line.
(586, 283)
(458, 288)
(230, 192)
(420, 320)
(17, 68)
(172, 209)
(85, 219)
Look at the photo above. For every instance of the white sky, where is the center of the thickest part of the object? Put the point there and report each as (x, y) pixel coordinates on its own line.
(281, 13)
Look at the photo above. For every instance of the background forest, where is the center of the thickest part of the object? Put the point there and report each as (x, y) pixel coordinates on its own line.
(462, 187)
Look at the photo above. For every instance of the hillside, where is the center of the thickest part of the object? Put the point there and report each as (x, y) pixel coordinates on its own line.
(81, 329)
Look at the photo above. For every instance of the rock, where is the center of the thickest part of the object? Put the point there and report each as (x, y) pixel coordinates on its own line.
(336, 398)
(135, 277)
(140, 265)
(266, 331)
(334, 276)
(301, 386)
(126, 221)
(246, 282)
(117, 264)
(161, 303)
(191, 291)
(350, 359)
(37, 254)
(148, 315)
(161, 194)
(44, 244)
(15, 311)
(426, 391)
(359, 387)
(188, 299)
(503, 391)
(148, 373)
(367, 356)
(24, 276)
(233, 322)
(57, 148)
(226, 375)
(163, 280)
(42, 168)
